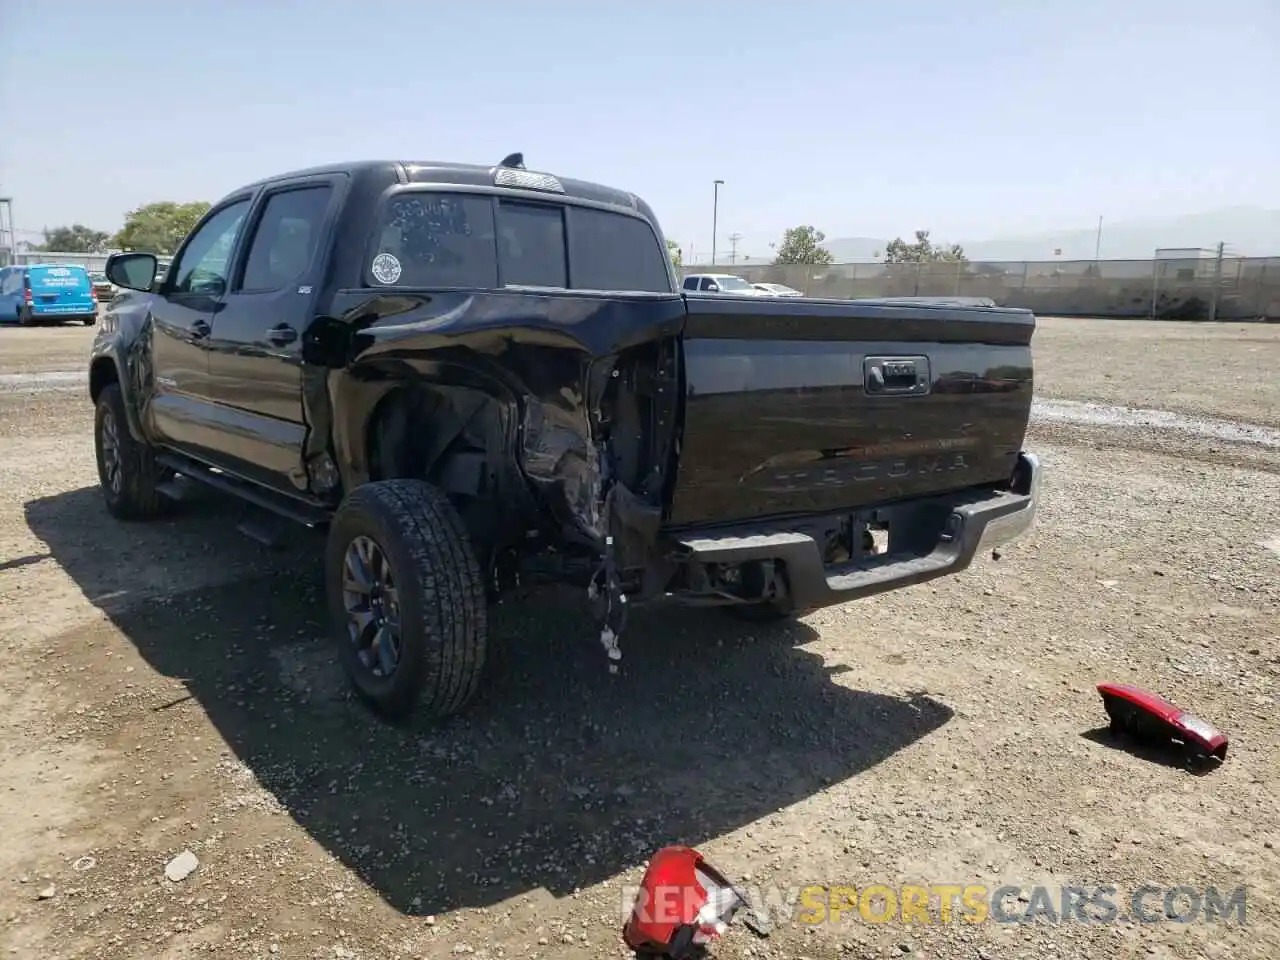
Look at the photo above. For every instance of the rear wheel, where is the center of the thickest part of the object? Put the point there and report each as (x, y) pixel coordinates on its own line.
(90, 321)
(127, 469)
(407, 599)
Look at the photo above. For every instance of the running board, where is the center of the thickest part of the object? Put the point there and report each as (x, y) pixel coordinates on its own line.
(282, 505)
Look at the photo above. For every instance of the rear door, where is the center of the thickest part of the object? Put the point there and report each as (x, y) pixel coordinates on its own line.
(60, 291)
(255, 349)
(800, 406)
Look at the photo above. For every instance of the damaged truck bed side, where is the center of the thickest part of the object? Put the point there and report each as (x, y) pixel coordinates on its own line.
(474, 376)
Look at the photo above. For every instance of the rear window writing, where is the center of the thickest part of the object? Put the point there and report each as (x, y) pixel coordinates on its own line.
(468, 240)
(62, 277)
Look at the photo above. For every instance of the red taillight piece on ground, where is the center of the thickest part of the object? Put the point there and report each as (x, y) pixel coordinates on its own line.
(683, 903)
(1141, 712)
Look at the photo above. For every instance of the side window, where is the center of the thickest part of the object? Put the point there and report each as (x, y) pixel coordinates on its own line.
(205, 261)
(427, 239)
(285, 240)
(6, 282)
(613, 251)
(691, 283)
(531, 248)
(709, 284)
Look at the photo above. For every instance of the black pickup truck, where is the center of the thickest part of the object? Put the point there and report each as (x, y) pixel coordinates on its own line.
(473, 375)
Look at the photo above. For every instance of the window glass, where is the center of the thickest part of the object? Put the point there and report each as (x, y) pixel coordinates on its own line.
(442, 239)
(284, 242)
(733, 285)
(437, 240)
(531, 245)
(205, 261)
(612, 251)
(691, 283)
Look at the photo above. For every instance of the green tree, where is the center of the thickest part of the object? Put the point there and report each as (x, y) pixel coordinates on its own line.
(922, 251)
(159, 227)
(677, 256)
(76, 238)
(803, 245)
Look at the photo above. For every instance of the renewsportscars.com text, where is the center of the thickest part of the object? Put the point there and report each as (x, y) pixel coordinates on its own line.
(819, 904)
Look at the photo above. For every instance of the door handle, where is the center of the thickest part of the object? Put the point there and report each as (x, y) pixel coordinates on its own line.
(281, 334)
(200, 329)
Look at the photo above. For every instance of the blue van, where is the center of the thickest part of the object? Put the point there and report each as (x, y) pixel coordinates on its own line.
(47, 293)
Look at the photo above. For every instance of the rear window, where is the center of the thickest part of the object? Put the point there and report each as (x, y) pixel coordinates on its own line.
(428, 239)
(60, 278)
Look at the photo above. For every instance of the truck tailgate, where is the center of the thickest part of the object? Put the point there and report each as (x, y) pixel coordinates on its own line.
(796, 406)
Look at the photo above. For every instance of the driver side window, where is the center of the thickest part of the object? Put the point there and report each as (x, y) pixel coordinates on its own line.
(205, 264)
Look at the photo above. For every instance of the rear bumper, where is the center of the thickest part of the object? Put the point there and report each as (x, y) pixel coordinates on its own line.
(968, 524)
(77, 313)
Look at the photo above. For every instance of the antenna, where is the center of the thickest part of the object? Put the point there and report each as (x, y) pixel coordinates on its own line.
(515, 160)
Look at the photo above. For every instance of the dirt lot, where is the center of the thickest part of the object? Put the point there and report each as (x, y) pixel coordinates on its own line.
(169, 687)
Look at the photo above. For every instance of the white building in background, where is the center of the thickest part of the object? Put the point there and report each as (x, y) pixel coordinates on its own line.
(1184, 264)
(1185, 253)
(93, 262)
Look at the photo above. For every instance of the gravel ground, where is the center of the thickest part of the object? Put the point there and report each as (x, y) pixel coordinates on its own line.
(169, 689)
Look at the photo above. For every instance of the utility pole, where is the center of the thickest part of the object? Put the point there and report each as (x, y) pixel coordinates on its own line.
(1217, 282)
(8, 236)
(715, 213)
(733, 247)
(1097, 246)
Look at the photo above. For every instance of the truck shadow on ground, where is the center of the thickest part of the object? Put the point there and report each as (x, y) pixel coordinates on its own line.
(559, 776)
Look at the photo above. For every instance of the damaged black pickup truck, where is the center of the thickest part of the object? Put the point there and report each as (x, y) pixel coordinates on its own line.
(474, 375)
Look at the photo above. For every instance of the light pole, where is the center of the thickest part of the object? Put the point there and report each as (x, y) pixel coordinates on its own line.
(715, 214)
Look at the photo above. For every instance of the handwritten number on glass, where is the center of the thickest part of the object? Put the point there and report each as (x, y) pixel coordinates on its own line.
(425, 223)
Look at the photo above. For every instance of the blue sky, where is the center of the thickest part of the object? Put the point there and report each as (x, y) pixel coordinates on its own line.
(975, 120)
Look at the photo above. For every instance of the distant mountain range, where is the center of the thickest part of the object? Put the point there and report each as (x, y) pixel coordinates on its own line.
(1247, 231)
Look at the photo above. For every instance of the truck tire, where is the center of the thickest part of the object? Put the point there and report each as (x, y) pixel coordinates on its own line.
(407, 599)
(127, 469)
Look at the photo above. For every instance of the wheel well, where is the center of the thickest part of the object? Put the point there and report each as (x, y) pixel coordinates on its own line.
(102, 374)
(456, 438)
(417, 428)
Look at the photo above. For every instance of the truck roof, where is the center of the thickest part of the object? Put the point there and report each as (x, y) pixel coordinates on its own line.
(463, 174)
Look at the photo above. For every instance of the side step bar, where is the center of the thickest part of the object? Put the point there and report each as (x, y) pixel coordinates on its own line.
(282, 505)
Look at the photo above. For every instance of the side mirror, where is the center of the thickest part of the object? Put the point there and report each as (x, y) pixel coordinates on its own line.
(133, 271)
(713, 288)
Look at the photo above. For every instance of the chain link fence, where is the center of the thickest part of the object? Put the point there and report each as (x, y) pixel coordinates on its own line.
(1234, 288)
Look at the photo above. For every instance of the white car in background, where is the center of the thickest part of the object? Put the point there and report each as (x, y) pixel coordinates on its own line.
(777, 290)
(720, 283)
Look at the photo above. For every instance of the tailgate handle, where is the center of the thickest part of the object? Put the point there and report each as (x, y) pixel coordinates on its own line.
(896, 376)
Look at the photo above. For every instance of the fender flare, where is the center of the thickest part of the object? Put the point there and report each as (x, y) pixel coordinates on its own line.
(105, 368)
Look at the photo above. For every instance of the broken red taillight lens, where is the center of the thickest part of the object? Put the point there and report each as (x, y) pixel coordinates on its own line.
(1141, 712)
(683, 903)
